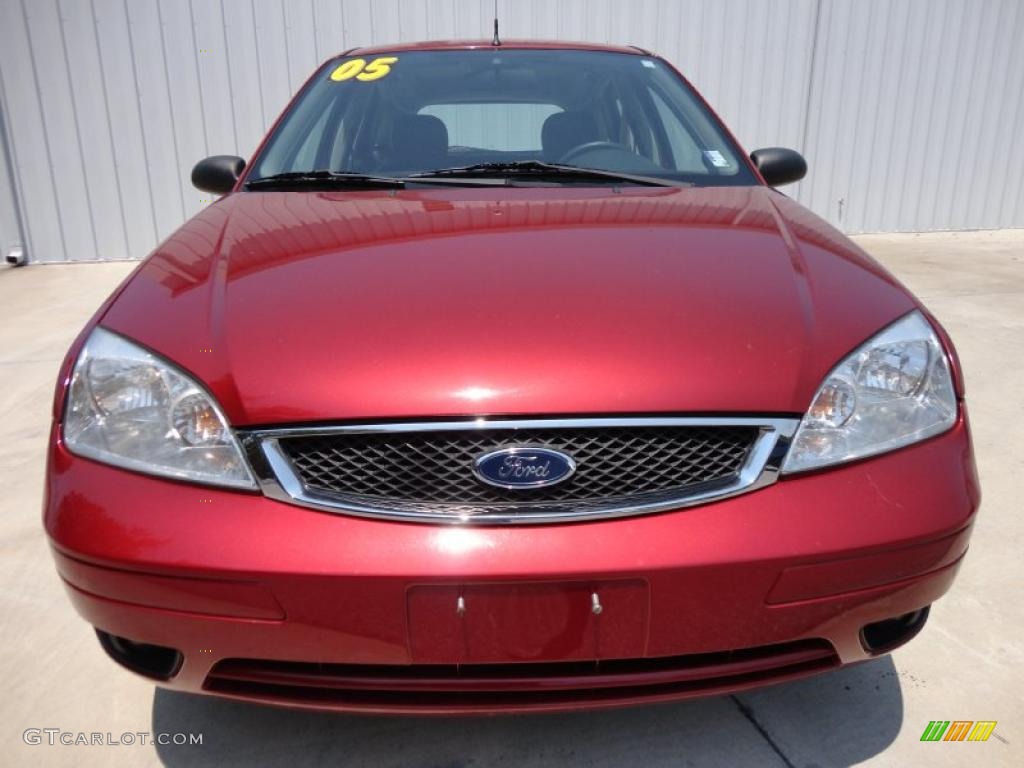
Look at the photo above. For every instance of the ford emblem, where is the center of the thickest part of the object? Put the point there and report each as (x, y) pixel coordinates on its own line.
(520, 467)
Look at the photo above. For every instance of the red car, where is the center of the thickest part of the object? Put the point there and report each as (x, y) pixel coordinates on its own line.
(501, 379)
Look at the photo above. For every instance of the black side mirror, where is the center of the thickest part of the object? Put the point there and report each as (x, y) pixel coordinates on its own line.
(779, 165)
(217, 173)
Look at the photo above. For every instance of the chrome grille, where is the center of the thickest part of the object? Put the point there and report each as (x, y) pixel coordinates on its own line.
(425, 471)
(435, 467)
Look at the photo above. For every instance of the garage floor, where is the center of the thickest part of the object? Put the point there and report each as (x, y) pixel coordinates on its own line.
(968, 664)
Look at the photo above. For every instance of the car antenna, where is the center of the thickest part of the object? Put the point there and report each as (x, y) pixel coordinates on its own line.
(496, 41)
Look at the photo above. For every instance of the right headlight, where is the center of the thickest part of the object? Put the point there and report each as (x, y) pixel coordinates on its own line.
(132, 409)
(894, 390)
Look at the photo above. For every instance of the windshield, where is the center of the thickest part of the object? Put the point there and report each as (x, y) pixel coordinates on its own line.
(422, 111)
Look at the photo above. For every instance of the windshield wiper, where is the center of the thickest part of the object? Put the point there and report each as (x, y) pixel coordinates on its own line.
(333, 179)
(486, 174)
(307, 179)
(539, 169)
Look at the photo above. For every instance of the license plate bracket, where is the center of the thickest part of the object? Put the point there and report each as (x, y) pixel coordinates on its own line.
(513, 622)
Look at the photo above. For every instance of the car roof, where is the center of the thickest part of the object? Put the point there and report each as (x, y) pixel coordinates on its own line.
(467, 45)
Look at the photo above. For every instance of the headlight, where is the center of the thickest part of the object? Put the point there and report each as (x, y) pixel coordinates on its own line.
(129, 408)
(894, 390)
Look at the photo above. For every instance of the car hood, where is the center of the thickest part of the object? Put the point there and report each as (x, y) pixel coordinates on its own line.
(321, 306)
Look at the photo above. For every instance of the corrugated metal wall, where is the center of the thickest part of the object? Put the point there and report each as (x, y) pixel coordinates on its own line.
(909, 111)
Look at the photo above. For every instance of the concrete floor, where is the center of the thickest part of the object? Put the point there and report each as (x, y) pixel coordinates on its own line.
(967, 664)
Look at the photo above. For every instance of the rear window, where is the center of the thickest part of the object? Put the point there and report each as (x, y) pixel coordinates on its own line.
(421, 111)
(490, 126)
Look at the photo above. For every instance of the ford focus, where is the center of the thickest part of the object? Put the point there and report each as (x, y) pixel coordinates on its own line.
(501, 378)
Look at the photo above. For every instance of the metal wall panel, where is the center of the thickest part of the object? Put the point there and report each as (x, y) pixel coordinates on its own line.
(10, 214)
(909, 111)
(914, 111)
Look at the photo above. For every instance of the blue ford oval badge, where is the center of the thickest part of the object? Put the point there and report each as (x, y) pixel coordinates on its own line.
(519, 467)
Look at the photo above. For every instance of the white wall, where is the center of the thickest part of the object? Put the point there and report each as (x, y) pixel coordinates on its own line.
(909, 111)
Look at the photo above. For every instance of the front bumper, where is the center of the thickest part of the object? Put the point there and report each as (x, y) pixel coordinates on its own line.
(274, 602)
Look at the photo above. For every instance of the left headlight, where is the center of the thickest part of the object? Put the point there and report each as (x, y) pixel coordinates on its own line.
(894, 390)
(130, 408)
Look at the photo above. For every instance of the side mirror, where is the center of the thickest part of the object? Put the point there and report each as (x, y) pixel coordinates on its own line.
(779, 165)
(217, 174)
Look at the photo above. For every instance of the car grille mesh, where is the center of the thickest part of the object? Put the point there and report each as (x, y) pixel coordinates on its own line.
(434, 469)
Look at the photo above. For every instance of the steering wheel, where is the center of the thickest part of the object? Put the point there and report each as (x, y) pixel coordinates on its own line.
(592, 146)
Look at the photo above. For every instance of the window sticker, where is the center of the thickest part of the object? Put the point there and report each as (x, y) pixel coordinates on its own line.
(360, 70)
(648, 63)
(715, 158)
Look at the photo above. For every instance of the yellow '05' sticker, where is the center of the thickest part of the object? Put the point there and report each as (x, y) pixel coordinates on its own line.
(360, 70)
